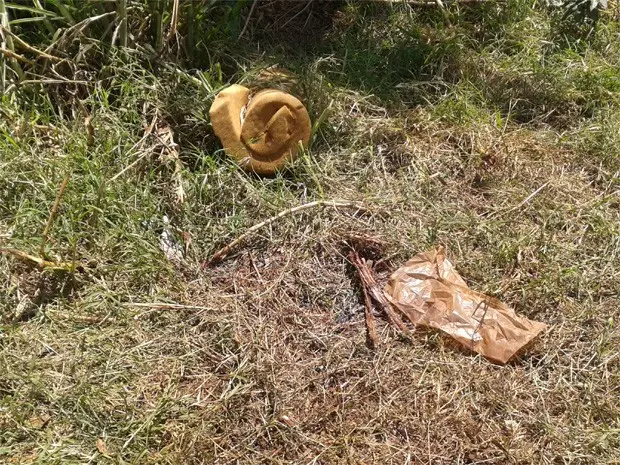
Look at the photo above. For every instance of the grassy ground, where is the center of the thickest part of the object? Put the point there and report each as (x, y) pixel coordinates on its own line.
(497, 137)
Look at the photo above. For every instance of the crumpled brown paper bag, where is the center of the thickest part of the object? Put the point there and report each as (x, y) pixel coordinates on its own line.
(261, 131)
(429, 291)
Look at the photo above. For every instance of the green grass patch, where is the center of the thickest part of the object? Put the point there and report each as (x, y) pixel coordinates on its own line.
(495, 135)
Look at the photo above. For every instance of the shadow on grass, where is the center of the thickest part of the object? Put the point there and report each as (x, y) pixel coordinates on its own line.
(404, 56)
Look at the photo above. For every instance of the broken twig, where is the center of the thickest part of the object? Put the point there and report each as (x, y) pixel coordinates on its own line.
(224, 251)
(371, 331)
(370, 285)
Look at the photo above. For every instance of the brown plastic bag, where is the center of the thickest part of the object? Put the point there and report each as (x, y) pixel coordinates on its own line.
(429, 291)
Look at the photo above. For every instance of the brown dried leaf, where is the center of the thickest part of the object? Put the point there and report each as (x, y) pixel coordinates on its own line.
(101, 447)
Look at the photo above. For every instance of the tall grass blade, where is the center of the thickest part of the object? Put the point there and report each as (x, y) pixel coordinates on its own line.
(48, 24)
(37, 9)
(174, 20)
(35, 19)
(6, 43)
(122, 17)
(157, 22)
(64, 11)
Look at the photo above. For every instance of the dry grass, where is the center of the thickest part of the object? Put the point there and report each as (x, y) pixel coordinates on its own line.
(265, 360)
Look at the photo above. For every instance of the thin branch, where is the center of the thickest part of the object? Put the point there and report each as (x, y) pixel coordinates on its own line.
(371, 331)
(224, 251)
(52, 216)
(370, 284)
(297, 14)
(131, 165)
(532, 195)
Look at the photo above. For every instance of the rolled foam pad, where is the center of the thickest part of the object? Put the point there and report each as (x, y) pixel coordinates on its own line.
(260, 131)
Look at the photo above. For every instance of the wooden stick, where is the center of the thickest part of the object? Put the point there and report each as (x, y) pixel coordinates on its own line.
(156, 306)
(297, 14)
(532, 195)
(370, 283)
(371, 331)
(52, 216)
(224, 251)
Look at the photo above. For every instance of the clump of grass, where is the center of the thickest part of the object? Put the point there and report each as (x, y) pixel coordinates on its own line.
(596, 142)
